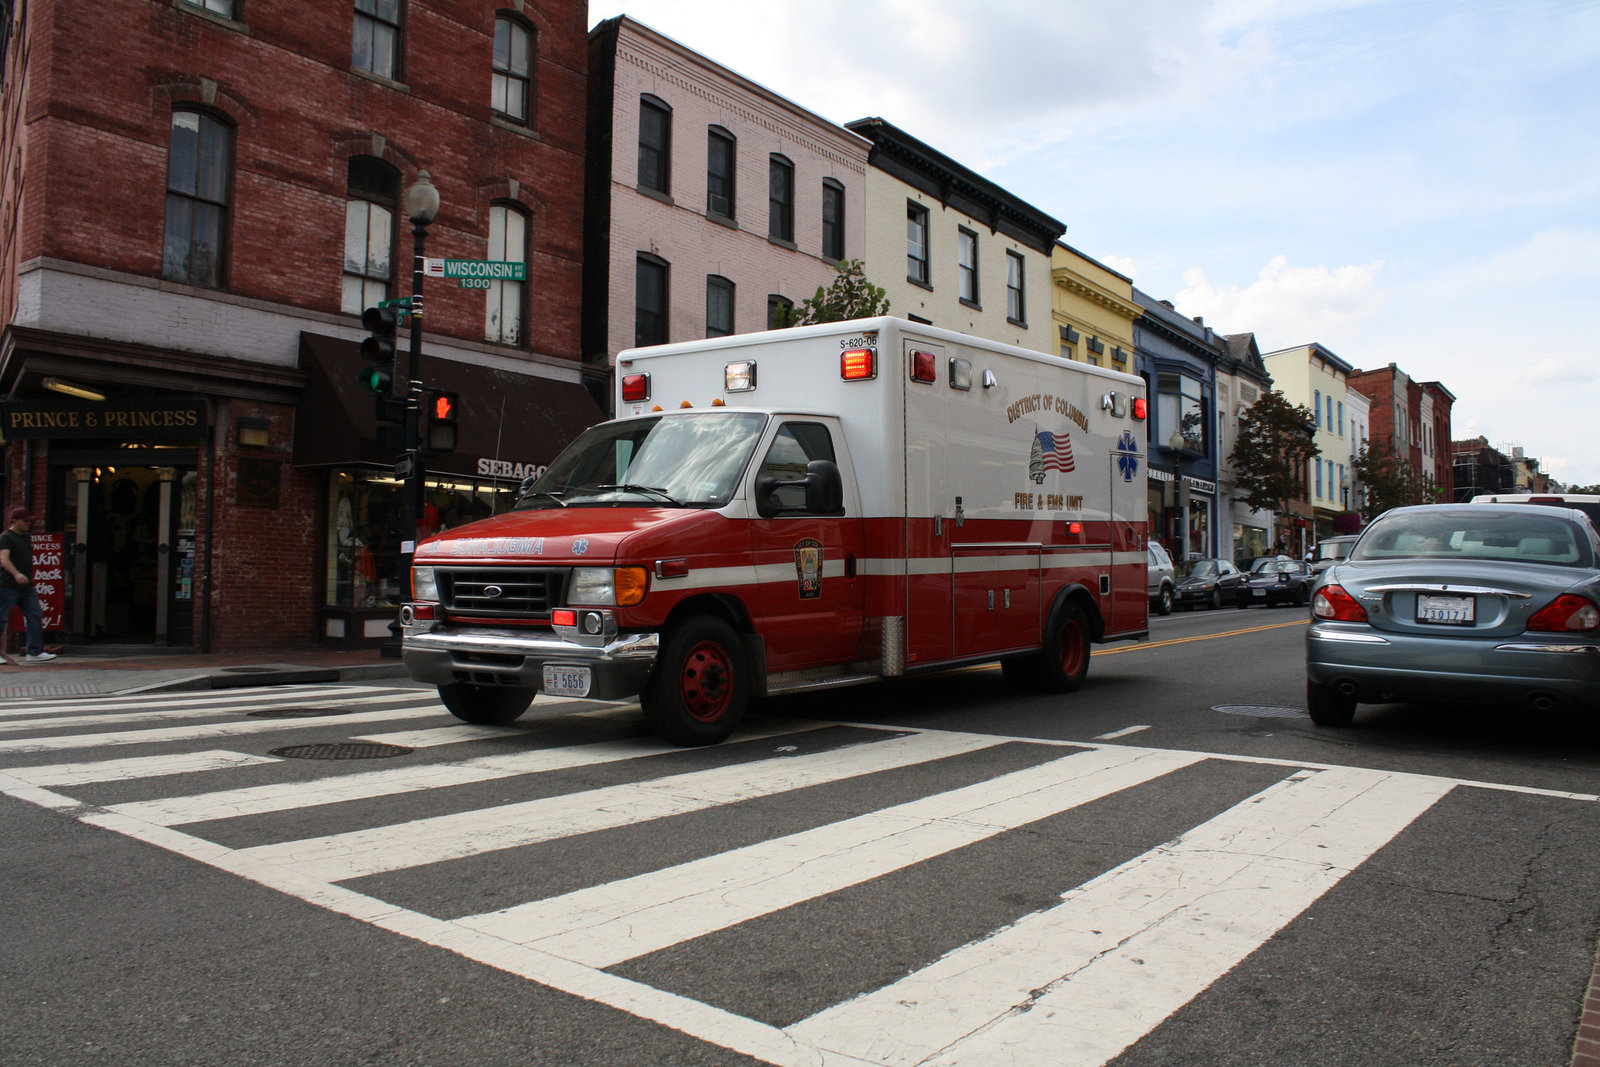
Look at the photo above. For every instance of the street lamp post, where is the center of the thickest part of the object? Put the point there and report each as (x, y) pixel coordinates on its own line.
(422, 205)
(1176, 444)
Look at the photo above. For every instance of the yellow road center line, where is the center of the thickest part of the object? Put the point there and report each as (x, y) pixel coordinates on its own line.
(1198, 637)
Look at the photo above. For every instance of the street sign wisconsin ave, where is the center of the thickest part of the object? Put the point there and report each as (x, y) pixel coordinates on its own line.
(475, 273)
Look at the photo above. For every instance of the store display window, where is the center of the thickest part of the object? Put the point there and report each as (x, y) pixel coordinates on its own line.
(366, 509)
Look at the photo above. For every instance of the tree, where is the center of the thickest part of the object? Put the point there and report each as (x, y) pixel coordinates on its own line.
(850, 296)
(1271, 455)
(1389, 479)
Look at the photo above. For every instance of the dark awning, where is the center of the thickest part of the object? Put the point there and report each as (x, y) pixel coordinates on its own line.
(507, 421)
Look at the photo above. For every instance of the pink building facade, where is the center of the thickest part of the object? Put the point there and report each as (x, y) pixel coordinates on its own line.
(710, 202)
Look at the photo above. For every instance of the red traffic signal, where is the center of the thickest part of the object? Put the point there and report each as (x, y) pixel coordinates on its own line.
(439, 430)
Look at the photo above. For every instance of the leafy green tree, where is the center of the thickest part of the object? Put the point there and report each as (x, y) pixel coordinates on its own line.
(1389, 479)
(850, 296)
(1273, 452)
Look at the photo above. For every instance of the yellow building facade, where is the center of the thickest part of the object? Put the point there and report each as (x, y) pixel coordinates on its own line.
(1092, 310)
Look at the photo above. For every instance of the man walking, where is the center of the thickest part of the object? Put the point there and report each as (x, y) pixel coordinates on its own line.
(16, 583)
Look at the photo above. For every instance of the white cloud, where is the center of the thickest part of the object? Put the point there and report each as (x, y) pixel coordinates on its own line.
(1288, 306)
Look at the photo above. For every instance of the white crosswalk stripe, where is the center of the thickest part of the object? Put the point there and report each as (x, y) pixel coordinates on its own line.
(1075, 982)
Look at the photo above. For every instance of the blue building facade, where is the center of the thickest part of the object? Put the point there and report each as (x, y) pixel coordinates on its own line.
(1177, 357)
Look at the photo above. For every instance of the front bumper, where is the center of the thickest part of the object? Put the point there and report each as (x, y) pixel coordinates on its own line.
(440, 654)
(1384, 666)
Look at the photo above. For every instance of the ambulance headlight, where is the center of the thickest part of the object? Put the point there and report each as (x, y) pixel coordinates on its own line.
(607, 586)
(424, 586)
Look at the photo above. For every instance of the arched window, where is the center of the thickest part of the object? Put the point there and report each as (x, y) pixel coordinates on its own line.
(655, 144)
(508, 242)
(721, 149)
(832, 219)
(719, 306)
(513, 70)
(650, 300)
(199, 161)
(780, 198)
(372, 192)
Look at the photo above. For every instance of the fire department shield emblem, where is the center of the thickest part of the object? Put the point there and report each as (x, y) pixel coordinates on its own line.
(808, 568)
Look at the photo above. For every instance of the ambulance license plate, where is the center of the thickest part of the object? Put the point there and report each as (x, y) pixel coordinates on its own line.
(566, 681)
(1450, 610)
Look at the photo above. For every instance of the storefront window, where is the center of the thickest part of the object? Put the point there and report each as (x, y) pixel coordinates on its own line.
(365, 513)
(1199, 527)
(1248, 541)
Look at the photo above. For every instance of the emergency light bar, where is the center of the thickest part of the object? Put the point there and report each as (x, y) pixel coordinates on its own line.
(858, 364)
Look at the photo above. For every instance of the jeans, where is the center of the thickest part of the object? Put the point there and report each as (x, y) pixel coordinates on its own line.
(32, 613)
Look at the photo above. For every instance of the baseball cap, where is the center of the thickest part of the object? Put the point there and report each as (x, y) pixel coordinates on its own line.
(21, 513)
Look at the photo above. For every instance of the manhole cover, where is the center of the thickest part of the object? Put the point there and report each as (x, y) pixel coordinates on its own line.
(297, 713)
(342, 750)
(1261, 711)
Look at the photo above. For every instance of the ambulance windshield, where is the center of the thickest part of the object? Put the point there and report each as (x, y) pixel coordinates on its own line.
(690, 460)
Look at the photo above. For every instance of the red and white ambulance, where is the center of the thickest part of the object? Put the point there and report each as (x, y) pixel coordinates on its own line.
(801, 509)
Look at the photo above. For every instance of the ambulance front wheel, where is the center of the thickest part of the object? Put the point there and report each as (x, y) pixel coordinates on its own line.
(485, 705)
(700, 686)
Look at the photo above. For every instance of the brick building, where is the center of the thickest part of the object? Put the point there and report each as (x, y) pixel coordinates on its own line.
(192, 221)
(712, 203)
(1413, 419)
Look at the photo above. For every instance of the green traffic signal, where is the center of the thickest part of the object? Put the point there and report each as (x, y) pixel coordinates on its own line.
(376, 380)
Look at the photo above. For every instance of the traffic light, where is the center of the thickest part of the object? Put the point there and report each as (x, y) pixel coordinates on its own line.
(378, 349)
(439, 420)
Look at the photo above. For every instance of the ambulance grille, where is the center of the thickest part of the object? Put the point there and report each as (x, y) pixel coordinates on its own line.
(501, 592)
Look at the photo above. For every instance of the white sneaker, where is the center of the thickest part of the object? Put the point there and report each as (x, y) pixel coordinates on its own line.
(43, 657)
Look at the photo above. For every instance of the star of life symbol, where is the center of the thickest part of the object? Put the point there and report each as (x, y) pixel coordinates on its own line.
(1127, 456)
(580, 546)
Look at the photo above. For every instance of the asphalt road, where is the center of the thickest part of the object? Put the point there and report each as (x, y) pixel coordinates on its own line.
(1170, 866)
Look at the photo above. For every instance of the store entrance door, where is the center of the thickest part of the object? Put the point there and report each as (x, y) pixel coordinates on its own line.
(131, 529)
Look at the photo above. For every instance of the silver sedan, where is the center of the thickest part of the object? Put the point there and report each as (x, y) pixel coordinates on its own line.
(1474, 603)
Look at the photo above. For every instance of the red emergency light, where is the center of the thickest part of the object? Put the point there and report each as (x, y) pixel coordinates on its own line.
(635, 388)
(1139, 409)
(858, 364)
(924, 367)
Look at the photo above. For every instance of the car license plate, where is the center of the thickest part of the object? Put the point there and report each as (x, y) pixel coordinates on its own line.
(566, 681)
(1450, 610)
(1258, 592)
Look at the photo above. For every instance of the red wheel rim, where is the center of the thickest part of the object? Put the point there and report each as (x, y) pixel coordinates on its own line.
(706, 683)
(1072, 649)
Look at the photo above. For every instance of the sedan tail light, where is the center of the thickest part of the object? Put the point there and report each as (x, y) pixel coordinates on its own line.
(1332, 602)
(1568, 613)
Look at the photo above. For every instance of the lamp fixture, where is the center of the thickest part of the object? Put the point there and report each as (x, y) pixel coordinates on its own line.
(56, 385)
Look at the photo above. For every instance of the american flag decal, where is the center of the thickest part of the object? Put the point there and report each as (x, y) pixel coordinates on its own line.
(1055, 451)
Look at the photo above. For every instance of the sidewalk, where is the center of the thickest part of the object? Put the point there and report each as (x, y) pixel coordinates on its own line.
(109, 669)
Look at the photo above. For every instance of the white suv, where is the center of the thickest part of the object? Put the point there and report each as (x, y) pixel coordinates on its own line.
(1161, 577)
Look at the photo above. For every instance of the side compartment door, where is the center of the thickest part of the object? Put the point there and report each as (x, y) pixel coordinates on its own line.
(809, 602)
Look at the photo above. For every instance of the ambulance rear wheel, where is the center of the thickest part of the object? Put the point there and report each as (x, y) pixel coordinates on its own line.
(700, 687)
(1065, 662)
(485, 705)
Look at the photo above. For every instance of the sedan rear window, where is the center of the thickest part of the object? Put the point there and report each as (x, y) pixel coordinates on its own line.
(1475, 535)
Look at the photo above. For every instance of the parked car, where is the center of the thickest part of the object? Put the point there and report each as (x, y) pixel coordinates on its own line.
(1589, 505)
(1331, 550)
(1276, 580)
(1163, 584)
(1477, 603)
(1208, 582)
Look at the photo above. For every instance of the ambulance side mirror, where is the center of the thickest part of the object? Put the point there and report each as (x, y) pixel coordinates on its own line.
(822, 483)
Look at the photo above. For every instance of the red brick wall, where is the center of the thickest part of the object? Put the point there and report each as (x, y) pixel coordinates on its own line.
(98, 128)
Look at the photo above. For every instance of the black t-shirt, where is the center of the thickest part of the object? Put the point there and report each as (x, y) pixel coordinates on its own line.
(21, 546)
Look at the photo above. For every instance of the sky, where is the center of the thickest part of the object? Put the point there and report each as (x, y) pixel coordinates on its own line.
(1403, 181)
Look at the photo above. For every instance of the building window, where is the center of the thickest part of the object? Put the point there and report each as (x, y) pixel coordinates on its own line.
(780, 199)
(720, 157)
(197, 200)
(376, 38)
(508, 242)
(967, 266)
(513, 70)
(1316, 406)
(917, 244)
(719, 306)
(1330, 412)
(655, 144)
(216, 7)
(832, 219)
(368, 233)
(779, 310)
(1016, 308)
(1179, 408)
(650, 301)
(1317, 464)
(1341, 418)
